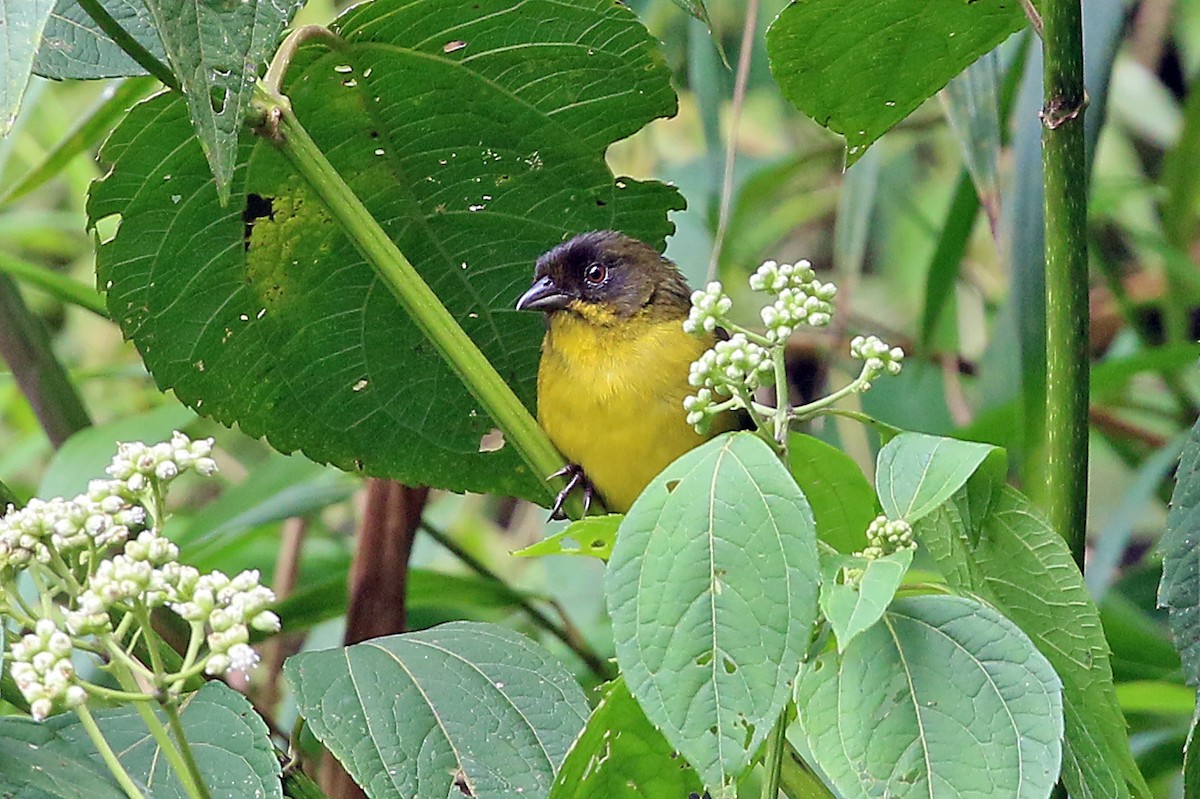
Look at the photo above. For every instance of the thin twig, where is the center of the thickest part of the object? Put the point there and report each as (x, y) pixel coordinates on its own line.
(287, 51)
(735, 120)
(1035, 19)
(287, 568)
(126, 41)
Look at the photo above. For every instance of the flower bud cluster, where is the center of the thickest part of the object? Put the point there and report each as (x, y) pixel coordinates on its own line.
(43, 671)
(878, 357)
(139, 465)
(94, 520)
(730, 368)
(800, 298)
(230, 607)
(886, 536)
(708, 309)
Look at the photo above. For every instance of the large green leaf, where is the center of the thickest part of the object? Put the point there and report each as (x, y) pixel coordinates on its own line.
(488, 154)
(620, 755)
(22, 23)
(216, 49)
(843, 502)
(462, 707)
(860, 66)
(1020, 565)
(712, 589)
(230, 742)
(916, 473)
(945, 697)
(74, 47)
(1179, 590)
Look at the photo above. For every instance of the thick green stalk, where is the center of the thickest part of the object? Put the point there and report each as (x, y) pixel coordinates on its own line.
(1064, 490)
(107, 754)
(520, 429)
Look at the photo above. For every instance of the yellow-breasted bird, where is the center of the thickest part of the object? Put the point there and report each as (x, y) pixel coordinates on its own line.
(615, 359)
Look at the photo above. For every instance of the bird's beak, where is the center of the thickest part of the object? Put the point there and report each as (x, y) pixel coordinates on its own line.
(543, 295)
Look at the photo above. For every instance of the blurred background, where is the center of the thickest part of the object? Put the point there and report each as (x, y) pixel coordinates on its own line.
(933, 237)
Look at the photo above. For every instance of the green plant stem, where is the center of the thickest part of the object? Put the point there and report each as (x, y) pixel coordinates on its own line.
(798, 780)
(114, 695)
(132, 47)
(190, 779)
(486, 385)
(107, 755)
(185, 748)
(773, 764)
(1064, 444)
(593, 661)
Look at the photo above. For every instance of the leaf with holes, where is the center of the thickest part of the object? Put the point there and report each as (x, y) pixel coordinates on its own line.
(620, 755)
(450, 694)
(475, 133)
(591, 536)
(74, 47)
(943, 697)
(21, 25)
(712, 589)
(860, 66)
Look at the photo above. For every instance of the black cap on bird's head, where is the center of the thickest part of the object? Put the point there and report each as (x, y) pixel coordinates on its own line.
(606, 271)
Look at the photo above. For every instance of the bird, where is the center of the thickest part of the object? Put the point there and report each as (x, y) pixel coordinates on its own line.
(614, 364)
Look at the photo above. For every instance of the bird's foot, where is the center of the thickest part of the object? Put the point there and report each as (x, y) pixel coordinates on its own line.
(576, 478)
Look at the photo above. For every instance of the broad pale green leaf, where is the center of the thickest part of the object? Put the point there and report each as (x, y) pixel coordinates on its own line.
(916, 473)
(21, 25)
(945, 697)
(712, 589)
(215, 49)
(1024, 568)
(1179, 591)
(418, 714)
(853, 603)
(34, 764)
(229, 740)
(843, 502)
(591, 536)
(860, 66)
(620, 755)
(264, 314)
(74, 47)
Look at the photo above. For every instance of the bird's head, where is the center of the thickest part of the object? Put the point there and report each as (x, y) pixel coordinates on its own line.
(605, 277)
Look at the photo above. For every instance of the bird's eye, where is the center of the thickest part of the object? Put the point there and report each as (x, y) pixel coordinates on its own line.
(595, 274)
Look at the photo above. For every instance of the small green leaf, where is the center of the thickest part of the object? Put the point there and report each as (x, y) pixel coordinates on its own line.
(74, 48)
(944, 697)
(591, 536)
(916, 472)
(860, 66)
(620, 755)
(1179, 590)
(23, 22)
(448, 694)
(712, 589)
(215, 49)
(853, 606)
(695, 8)
(843, 502)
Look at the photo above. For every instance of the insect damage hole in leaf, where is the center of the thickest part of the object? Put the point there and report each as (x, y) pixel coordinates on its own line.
(492, 441)
(257, 207)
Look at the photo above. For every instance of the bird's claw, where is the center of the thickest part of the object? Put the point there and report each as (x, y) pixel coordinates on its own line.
(576, 478)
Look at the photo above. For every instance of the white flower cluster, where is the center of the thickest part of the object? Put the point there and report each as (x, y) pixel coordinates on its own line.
(74, 527)
(886, 536)
(138, 465)
(229, 607)
(730, 368)
(708, 309)
(877, 356)
(800, 298)
(43, 671)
